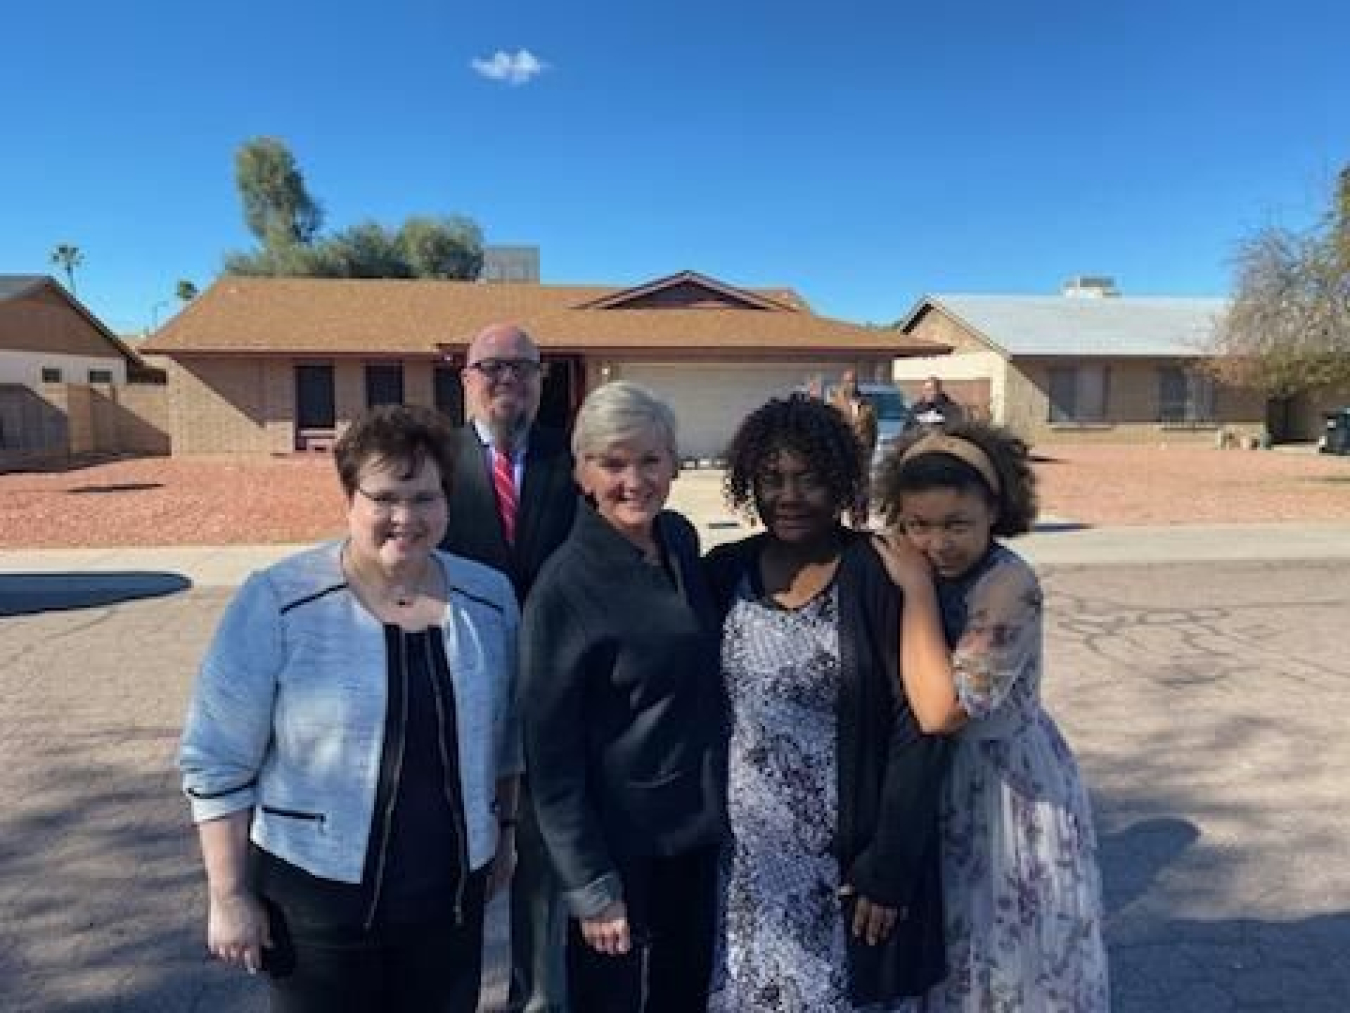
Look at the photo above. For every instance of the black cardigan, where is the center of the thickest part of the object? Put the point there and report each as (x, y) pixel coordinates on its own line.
(619, 692)
(889, 772)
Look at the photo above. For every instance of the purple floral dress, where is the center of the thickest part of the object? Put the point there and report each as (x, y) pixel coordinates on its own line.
(1020, 878)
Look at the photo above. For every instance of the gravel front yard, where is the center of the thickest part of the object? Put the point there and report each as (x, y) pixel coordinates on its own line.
(193, 501)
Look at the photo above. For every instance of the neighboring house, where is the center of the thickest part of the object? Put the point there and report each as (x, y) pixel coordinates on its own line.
(271, 365)
(64, 379)
(47, 336)
(1088, 364)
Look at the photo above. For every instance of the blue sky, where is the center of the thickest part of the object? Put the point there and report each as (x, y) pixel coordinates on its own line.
(861, 152)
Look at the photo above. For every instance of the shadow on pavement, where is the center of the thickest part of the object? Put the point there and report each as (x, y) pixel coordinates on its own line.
(1133, 858)
(28, 593)
(81, 490)
(1050, 527)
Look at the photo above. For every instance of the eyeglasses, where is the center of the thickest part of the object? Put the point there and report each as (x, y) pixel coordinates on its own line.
(496, 369)
(385, 503)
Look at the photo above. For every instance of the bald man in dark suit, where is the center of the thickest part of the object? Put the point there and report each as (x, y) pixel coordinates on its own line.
(512, 501)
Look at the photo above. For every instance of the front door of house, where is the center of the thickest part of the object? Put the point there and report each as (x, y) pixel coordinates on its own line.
(560, 396)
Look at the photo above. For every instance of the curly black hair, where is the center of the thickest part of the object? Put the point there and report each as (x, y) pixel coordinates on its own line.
(806, 426)
(1015, 504)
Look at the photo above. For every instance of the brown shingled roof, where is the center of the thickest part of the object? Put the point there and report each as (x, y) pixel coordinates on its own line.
(415, 318)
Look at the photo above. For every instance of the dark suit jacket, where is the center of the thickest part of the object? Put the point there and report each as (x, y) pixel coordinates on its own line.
(547, 504)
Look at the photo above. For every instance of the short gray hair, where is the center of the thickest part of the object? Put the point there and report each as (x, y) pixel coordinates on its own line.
(619, 412)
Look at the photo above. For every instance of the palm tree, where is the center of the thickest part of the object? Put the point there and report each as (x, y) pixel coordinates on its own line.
(186, 290)
(68, 257)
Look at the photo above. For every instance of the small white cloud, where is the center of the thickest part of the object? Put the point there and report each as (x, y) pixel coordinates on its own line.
(520, 68)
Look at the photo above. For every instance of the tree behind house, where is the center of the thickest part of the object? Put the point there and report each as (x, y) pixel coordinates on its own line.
(1288, 329)
(278, 208)
(285, 219)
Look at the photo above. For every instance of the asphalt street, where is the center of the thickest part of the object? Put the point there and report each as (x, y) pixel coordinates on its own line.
(1206, 700)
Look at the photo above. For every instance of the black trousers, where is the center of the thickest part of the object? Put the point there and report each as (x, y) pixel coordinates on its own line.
(431, 969)
(672, 912)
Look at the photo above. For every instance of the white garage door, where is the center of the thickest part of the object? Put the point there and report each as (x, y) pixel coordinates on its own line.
(711, 399)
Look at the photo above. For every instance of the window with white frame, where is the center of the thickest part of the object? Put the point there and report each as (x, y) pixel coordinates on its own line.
(100, 376)
(1078, 394)
(51, 374)
(1185, 396)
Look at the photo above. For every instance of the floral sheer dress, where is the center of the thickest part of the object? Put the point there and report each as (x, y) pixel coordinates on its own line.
(1021, 884)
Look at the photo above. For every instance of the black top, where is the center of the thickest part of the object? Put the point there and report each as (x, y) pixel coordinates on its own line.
(421, 875)
(416, 865)
(547, 498)
(621, 703)
(890, 773)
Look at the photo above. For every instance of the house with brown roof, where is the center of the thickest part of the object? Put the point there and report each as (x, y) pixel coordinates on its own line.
(47, 336)
(273, 365)
(68, 385)
(1088, 364)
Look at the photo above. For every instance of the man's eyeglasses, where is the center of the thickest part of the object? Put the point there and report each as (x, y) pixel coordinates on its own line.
(495, 369)
(385, 503)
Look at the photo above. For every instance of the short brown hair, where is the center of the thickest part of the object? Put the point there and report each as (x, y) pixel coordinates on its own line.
(407, 434)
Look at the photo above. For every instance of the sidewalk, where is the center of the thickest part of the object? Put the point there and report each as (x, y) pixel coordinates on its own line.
(697, 494)
(1054, 544)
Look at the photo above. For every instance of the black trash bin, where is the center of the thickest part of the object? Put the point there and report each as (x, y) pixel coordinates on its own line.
(1337, 438)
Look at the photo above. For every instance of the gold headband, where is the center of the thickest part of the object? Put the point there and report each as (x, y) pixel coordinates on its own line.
(963, 450)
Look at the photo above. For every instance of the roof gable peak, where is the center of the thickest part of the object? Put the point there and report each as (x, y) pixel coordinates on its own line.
(686, 290)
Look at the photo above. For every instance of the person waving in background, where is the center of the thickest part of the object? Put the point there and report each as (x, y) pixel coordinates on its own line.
(1020, 877)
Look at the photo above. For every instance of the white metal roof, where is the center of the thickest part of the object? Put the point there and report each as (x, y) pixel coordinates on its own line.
(1060, 325)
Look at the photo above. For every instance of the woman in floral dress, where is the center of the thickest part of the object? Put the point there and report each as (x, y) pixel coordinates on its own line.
(833, 900)
(1021, 884)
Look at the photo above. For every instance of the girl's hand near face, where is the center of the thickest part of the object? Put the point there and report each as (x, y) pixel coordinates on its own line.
(907, 566)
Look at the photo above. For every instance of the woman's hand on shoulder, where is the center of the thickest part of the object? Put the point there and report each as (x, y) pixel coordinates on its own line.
(608, 931)
(906, 565)
(238, 930)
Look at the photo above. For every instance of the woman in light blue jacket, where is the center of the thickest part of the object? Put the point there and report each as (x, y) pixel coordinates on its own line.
(350, 750)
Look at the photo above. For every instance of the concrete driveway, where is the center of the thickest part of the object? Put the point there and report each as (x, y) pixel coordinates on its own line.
(1207, 702)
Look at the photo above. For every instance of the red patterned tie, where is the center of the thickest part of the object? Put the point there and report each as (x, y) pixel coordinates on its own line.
(504, 482)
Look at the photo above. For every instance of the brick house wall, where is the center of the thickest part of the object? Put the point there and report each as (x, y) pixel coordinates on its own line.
(1133, 410)
(248, 405)
(231, 406)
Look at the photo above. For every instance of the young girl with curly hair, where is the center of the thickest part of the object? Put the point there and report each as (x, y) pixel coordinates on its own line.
(1021, 886)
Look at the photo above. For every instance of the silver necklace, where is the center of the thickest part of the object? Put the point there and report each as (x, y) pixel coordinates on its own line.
(402, 598)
